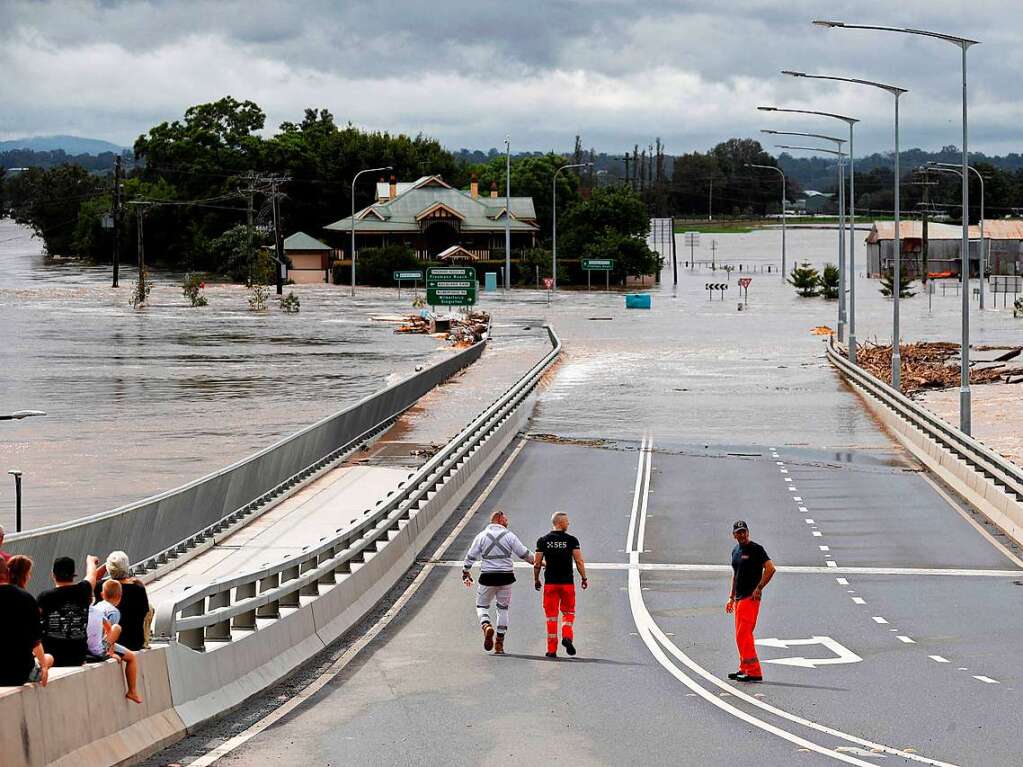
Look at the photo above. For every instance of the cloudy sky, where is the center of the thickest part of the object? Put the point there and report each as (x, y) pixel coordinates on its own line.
(467, 73)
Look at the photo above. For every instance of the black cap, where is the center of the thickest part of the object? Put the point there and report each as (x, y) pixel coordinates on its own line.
(64, 568)
(740, 525)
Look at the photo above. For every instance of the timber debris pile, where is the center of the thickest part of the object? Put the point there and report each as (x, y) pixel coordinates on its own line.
(461, 330)
(935, 364)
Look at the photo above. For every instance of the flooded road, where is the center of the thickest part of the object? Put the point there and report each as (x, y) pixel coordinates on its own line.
(140, 402)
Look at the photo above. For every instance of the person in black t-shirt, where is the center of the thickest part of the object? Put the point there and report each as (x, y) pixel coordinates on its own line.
(21, 655)
(752, 570)
(65, 611)
(134, 604)
(557, 551)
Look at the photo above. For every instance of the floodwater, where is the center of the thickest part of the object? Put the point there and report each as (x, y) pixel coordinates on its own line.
(141, 402)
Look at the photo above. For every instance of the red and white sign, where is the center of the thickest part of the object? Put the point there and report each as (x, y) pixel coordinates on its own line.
(745, 281)
(548, 282)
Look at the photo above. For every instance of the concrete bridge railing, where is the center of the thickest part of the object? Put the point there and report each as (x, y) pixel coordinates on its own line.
(162, 528)
(989, 482)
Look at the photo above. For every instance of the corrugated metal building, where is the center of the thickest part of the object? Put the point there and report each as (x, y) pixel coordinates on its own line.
(1005, 245)
(944, 245)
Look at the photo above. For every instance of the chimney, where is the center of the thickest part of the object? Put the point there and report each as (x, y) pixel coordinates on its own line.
(381, 197)
(493, 190)
(474, 187)
(394, 188)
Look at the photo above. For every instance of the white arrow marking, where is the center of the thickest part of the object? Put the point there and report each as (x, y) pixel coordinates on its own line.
(857, 751)
(842, 653)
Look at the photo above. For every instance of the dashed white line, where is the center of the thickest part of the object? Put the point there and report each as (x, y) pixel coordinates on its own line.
(808, 521)
(795, 497)
(879, 619)
(985, 679)
(859, 600)
(905, 639)
(824, 548)
(817, 534)
(938, 659)
(803, 509)
(785, 471)
(842, 581)
(831, 563)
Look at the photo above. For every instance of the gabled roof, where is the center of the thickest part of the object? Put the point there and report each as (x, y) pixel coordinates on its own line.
(1003, 228)
(438, 206)
(455, 253)
(913, 230)
(302, 241)
(407, 209)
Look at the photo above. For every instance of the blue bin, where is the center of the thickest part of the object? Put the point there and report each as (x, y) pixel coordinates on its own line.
(490, 282)
(637, 301)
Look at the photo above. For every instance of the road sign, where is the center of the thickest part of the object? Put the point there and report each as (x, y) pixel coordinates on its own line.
(692, 239)
(744, 282)
(451, 286)
(548, 282)
(406, 275)
(841, 655)
(598, 264)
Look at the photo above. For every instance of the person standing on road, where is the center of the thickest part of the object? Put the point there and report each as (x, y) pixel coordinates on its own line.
(752, 570)
(495, 548)
(557, 550)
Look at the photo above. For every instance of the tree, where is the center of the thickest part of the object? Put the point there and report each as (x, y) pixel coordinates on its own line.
(632, 257)
(905, 283)
(805, 279)
(618, 209)
(49, 201)
(829, 281)
(236, 254)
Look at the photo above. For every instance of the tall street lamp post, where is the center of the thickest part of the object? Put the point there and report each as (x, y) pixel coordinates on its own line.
(897, 269)
(782, 173)
(554, 221)
(849, 281)
(841, 220)
(17, 499)
(507, 213)
(964, 45)
(356, 178)
(945, 166)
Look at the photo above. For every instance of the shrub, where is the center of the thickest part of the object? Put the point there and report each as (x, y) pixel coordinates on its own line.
(805, 279)
(290, 303)
(193, 288)
(140, 289)
(829, 281)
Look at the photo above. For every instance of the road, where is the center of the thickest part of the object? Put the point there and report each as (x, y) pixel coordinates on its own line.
(909, 611)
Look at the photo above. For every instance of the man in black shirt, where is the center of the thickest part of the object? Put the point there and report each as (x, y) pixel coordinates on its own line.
(752, 570)
(65, 611)
(19, 639)
(557, 550)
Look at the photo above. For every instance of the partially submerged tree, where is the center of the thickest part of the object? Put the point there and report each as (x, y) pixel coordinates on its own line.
(905, 283)
(829, 281)
(805, 279)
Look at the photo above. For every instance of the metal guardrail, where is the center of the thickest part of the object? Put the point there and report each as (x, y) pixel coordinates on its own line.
(158, 529)
(211, 612)
(1005, 474)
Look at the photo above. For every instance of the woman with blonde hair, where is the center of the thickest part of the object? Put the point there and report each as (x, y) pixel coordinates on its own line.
(134, 605)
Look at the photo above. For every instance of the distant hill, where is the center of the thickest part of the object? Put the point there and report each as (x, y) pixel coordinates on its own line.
(73, 145)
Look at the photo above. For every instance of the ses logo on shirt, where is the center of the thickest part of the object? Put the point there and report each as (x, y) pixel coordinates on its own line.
(557, 545)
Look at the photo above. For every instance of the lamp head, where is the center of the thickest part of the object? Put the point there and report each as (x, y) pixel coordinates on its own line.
(792, 73)
(768, 109)
(14, 473)
(827, 23)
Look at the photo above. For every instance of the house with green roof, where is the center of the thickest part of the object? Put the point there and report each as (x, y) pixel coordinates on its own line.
(431, 217)
(308, 258)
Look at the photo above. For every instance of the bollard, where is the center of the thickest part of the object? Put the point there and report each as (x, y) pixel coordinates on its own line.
(271, 609)
(220, 631)
(246, 620)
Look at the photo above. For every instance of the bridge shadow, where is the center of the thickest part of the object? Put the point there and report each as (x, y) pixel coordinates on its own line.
(545, 659)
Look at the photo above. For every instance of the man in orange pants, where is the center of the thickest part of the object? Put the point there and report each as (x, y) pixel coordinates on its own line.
(752, 570)
(557, 550)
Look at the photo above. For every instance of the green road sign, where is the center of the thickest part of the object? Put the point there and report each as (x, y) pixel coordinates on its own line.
(451, 286)
(598, 264)
(408, 275)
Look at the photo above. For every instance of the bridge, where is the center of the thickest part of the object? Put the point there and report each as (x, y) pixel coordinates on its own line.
(321, 619)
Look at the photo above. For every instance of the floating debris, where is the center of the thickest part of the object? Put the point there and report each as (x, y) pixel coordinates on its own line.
(460, 329)
(934, 365)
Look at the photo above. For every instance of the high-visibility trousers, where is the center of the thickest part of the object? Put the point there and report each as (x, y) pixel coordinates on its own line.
(746, 612)
(559, 597)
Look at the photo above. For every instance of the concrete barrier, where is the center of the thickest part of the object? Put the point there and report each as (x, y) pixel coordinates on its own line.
(82, 717)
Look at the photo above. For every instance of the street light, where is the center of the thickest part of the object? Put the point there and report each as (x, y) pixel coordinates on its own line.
(554, 220)
(964, 45)
(780, 171)
(897, 274)
(841, 220)
(507, 213)
(17, 415)
(17, 499)
(356, 178)
(947, 166)
(851, 314)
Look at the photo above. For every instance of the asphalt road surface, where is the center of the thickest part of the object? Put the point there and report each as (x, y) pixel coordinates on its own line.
(888, 635)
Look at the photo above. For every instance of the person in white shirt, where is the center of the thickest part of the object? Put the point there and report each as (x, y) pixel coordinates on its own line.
(495, 548)
(102, 634)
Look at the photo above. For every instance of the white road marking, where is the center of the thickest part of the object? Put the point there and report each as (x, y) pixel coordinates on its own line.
(842, 654)
(831, 563)
(879, 619)
(793, 487)
(824, 548)
(985, 679)
(808, 521)
(817, 534)
(803, 509)
(859, 600)
(905, 639)
(786, 471)
(842, 581)
(795, 497)
(780, 463)
(938, 659)
(788, 479)
(657, 643)
(323, 679)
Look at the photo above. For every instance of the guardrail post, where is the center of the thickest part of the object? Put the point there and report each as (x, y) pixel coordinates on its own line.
(327, 579)
(344, 567)
(193, 638)
(221, 631)
(310, 589)
(291, 599)
(270, 609)
(245, 620)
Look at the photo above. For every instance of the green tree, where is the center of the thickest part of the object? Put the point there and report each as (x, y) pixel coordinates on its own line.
(376, 266)
(617, 209)
(828, 281)
(632, 256)
(805, 279)
(533, 177)
(236, 253)
(905, 283)
(50, 201)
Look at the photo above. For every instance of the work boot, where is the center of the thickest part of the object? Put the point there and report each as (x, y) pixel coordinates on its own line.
(499, 645)
(552, 654)
(569, 647)
(488, 637)
(741, 676)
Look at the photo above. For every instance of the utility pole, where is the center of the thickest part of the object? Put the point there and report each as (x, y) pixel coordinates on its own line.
(118, 175)
(278, 240)
(710, 202)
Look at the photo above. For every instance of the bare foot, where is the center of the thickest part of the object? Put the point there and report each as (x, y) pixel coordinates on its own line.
(134, 696)
(44, 677)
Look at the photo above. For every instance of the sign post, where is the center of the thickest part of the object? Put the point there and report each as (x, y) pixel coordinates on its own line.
(744, 284)
(605, 265)
(451, 286)
(692, 239)
(415, 275)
